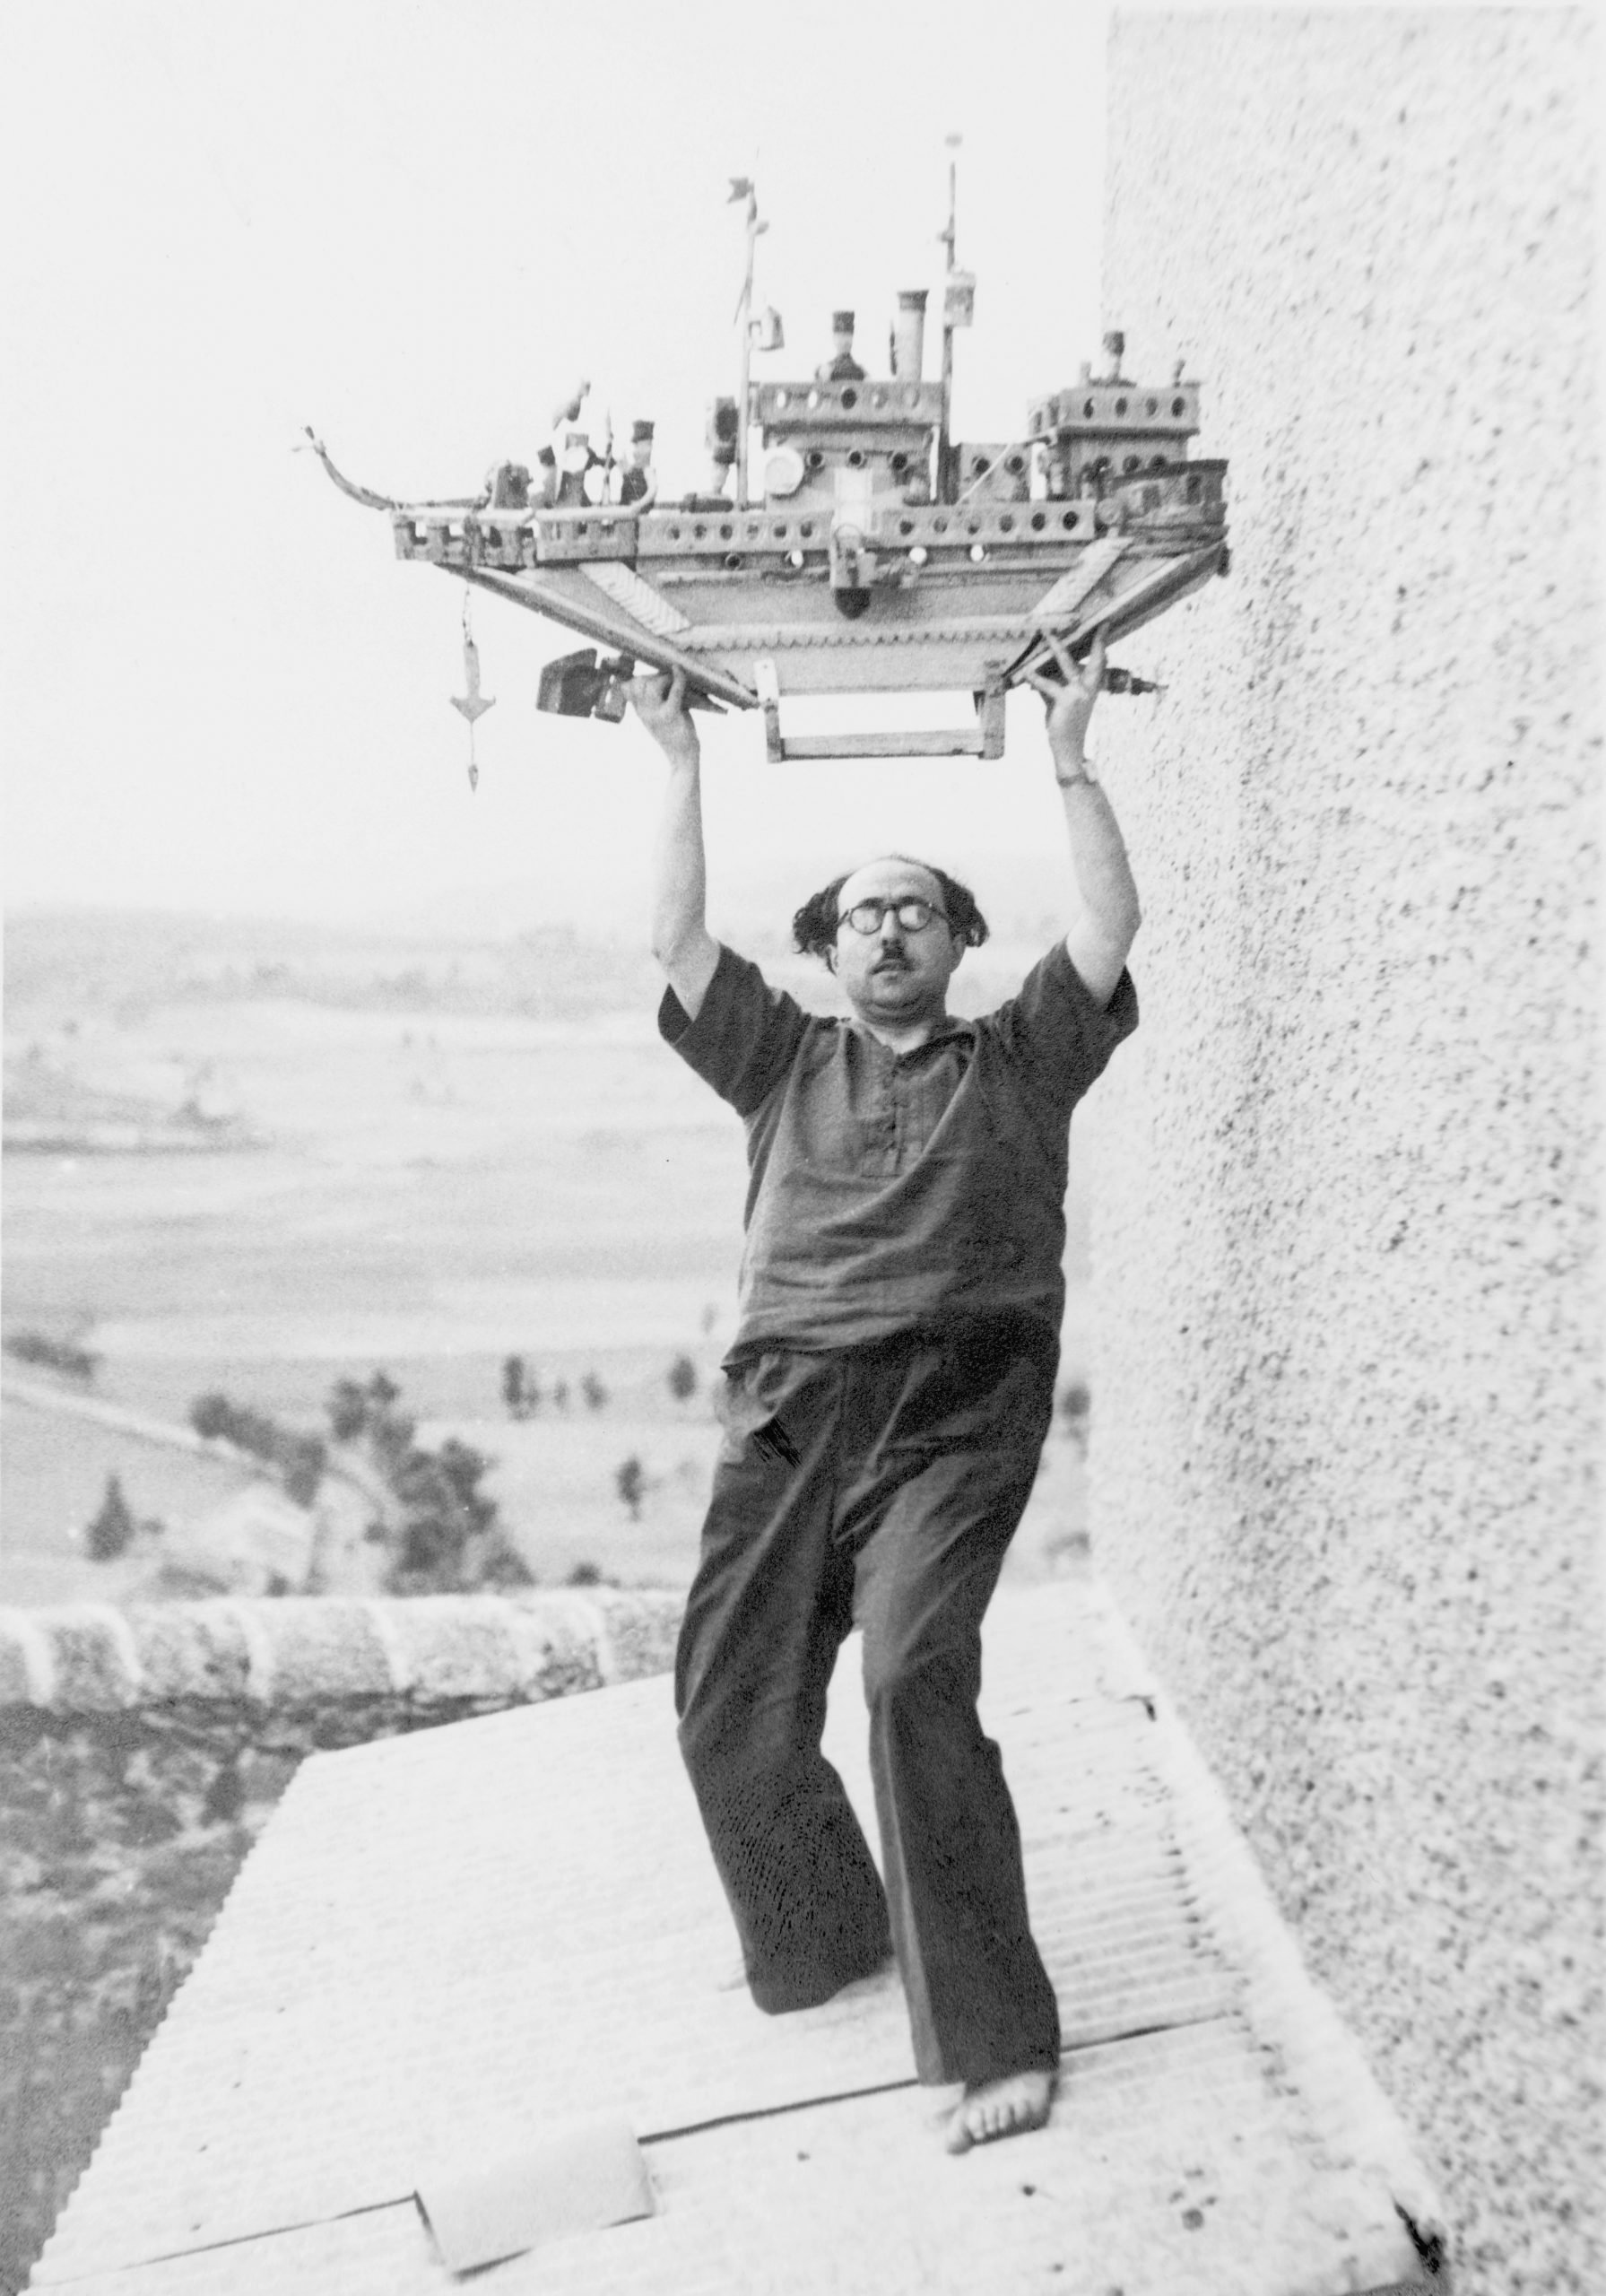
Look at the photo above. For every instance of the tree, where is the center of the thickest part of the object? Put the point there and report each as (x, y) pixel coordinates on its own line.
(111, 1530)
(683, 1379)
(631, 1481)
(347, 1407)
(516, 1396)
(594, 1391)
(211, 1414)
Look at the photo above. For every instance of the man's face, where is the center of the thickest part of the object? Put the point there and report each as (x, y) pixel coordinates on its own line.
(893, 975)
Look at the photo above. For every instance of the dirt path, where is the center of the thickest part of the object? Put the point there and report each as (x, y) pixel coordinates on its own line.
(121, 1421)
(169, 1435)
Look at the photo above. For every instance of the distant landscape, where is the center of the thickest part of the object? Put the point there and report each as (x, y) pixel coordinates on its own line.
(263, 1158)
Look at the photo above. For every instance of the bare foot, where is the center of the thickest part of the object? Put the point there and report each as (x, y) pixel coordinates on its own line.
(994, 2109)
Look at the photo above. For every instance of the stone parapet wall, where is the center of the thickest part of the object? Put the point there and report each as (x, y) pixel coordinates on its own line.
(490, 1650)
(140, 1753)
(137, 1727)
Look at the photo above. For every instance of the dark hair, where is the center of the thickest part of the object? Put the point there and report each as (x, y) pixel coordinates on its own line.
(815, 927)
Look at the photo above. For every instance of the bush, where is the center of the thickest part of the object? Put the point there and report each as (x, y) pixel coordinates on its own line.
(303, 1465)
(444, 1536)
(503, 1567)
(298, 1460)
(55, 1354)
(441, 1531)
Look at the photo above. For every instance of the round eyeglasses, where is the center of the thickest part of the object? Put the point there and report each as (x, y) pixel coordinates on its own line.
(914, 915)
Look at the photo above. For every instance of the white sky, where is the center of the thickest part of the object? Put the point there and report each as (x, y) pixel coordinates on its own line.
(412, 224)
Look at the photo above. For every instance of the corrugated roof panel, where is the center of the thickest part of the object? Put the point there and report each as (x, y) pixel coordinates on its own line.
(1173, 2166)
(458, 1940)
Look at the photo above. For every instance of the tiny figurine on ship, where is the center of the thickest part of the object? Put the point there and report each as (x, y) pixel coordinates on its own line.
(841, 540)
(639, 482)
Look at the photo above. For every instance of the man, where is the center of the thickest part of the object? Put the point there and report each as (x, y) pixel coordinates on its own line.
(887, 1399)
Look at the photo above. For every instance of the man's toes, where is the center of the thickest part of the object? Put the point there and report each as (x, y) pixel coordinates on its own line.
(971, 2122)
(996, 2108)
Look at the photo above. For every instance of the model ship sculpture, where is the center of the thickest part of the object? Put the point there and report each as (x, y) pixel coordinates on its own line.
(857, 547)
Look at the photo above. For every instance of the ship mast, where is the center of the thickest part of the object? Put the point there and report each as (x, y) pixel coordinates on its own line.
(947, 238)
(741, 185)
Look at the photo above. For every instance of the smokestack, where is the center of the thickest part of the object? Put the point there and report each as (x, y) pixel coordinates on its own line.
(909, 334)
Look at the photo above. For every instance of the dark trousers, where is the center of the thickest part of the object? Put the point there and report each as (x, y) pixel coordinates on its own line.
(875, 1486)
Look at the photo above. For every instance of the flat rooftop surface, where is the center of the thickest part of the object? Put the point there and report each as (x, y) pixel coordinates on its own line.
(450, 1946)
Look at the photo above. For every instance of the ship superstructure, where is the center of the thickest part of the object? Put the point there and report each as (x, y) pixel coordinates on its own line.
(844, 542)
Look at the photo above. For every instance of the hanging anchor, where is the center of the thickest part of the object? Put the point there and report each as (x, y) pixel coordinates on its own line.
(474, 703)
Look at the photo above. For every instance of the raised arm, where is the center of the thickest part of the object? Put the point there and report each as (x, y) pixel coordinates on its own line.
(681, 941)
(1103, 912)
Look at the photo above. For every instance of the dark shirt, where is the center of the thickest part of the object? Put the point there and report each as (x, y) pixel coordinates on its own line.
(890, 1192)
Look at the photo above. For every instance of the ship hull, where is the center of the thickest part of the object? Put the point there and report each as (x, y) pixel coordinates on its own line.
(752, 605)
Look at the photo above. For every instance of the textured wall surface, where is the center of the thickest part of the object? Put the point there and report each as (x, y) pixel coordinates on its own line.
(1346, 1402)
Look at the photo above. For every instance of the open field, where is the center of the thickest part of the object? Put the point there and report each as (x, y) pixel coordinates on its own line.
(426, 1187)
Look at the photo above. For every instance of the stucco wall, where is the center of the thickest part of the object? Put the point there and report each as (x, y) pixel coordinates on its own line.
(1345, 1384)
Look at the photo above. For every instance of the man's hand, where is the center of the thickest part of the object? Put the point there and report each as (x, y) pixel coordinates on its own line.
(659, 700)
(1070, 701)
